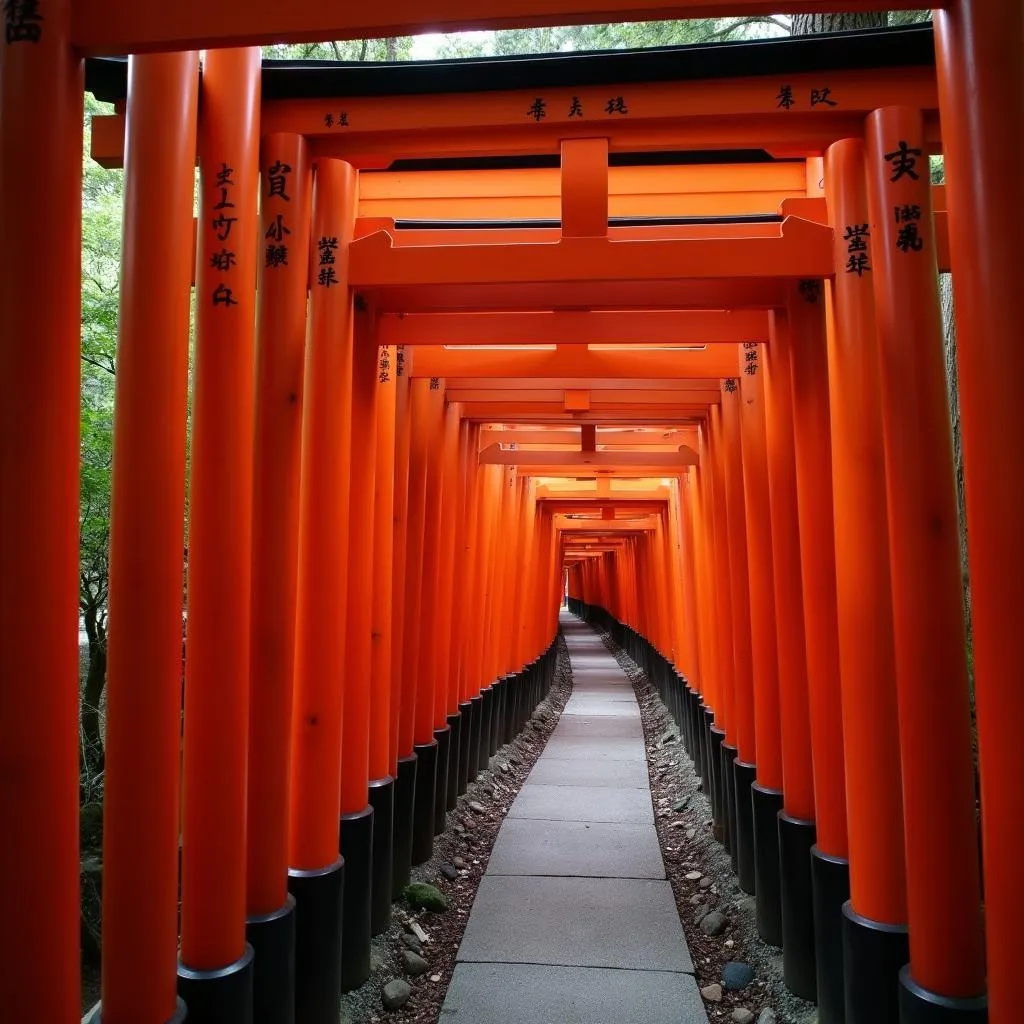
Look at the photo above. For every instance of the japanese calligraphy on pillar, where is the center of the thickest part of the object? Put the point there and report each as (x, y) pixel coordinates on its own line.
(327, 247)
(435, 383)
(909, 217)
(226, 259)
(751, 358)
(383, 364)
(339, 120)
(730, 385)
(276, 194)
(859, 259)
(23, 21)
(400, 361)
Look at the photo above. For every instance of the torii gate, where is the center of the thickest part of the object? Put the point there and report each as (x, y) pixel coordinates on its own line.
(979, 48)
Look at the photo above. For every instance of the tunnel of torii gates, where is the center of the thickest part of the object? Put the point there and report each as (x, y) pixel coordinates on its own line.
(469, 337)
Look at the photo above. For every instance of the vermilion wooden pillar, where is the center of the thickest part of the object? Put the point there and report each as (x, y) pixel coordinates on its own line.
(875, 937)
(464, 597)
(441, 587)
(357, 818)
(768, 768)
(453, 524)
(215, 974)
(429, 395)
(399, 537)
(40, 212)
(830, 869)
(711, 653)
(723, 585)
(704, 536)
(980, 47)
(694, 587)
(316, 873)
(796, 828)
(723, 732)
(286, 192)
(519, 553)
(742, 750)
(383, 769)
(143, 735)
(943, 888)
(403, 757)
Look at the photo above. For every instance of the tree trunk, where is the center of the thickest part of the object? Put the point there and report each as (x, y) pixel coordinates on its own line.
(952, 393)
(811, 24)
(95, 680)
(391, 48)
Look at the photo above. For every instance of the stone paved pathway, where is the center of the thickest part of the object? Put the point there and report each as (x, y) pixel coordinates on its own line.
(574, 921)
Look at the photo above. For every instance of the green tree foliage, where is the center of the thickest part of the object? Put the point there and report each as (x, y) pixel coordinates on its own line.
(623, 35)
(389, 49)
(639, 34)
(101, 261)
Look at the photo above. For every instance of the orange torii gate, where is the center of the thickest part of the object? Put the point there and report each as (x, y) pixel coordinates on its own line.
(772, 455)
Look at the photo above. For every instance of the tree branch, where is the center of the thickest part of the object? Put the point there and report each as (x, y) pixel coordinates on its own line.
(108, 367)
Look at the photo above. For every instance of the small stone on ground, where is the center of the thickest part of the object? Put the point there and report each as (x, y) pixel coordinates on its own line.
(414, 964)
(395, 994)
(713, 923)
(736, 975)
(712, 993)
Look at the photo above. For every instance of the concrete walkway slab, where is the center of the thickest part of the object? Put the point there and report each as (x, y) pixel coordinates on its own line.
(531, 994)
(576, 849)
(599, 727)
(550, 771)
(583, 803)
(601, 707)
(587, 748)
(618, 691)
(576, 922)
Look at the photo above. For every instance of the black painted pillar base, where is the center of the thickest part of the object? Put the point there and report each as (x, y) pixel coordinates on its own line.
(220, 996)
(454, 751)
(830, 882)
(796, 837)
(423, 805)
(696, 720)
(443, 739)
(401, 845)
(874, 953)
(767, 805)
(717, 795)
(318, 908)
(95, 1015)
(729, 787)
(355, 839)
(476, 718)
(486, 728)
(382, 800)
(744, 777)
(513, 686)
(465, 745)
(272, 937)
(704, 724)
(497, 712)
(919, 1006)
(521, 690)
